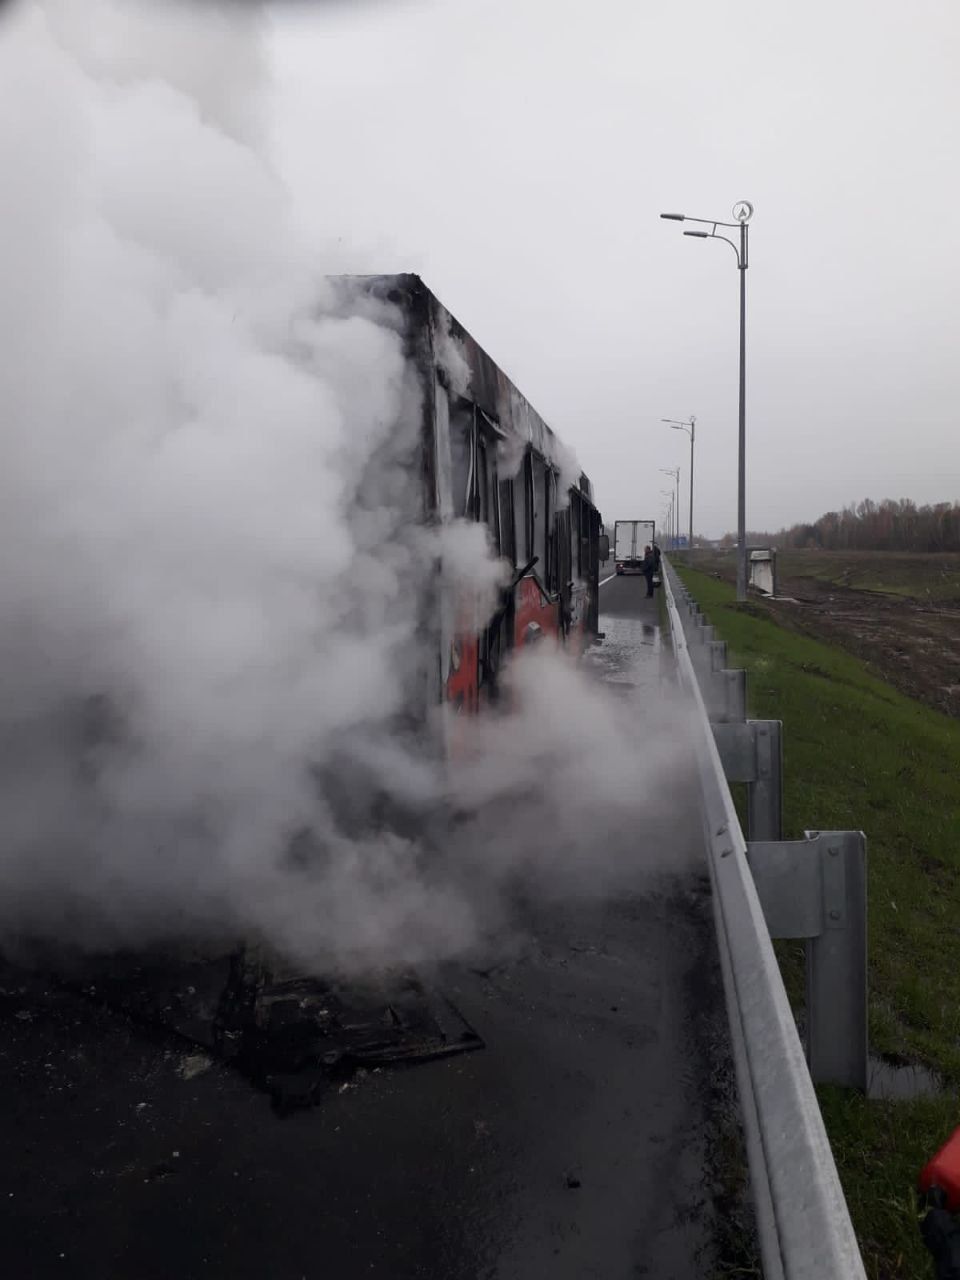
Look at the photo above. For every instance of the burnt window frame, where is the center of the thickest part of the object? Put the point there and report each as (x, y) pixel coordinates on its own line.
(507, 520)
(521, 513)
(551, 510)
(576, 512)
(528, 479)
(462, 413)
(537, 490)
(482, 486)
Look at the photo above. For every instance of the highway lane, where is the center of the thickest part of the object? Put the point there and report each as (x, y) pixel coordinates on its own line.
(631, 652)
(589, 1138)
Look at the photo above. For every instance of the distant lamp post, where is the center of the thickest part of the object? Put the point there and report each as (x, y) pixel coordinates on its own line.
(675, 473)
(690, 427)
(669, 493)
(743, 212)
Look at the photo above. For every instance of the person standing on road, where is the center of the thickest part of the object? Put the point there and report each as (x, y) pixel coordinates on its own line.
(657, 571)
(648, 569)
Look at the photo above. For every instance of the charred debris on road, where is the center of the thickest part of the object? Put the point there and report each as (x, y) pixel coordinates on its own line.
(292, 1035)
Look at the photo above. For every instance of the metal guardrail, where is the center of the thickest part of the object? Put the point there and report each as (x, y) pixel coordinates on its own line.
(803, 1224)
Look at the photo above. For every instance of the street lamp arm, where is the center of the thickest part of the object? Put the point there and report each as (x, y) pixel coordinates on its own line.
(681, 424)
(728, 241)
(704, 222)
(712, 235)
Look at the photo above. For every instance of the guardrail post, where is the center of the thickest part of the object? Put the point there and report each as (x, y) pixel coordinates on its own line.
(735, 701)
(750, 752)
(765, 792)
(816, 889)
(837, 966)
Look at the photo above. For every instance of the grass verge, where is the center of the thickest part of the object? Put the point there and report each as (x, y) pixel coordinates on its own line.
(858, 754)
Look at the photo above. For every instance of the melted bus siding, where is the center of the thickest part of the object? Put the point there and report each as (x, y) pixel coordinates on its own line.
(488, 456)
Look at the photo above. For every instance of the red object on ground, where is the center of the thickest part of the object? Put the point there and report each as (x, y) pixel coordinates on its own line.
(943, 1171)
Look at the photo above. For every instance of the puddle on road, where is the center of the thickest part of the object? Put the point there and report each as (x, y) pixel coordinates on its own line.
(900, 1083)
(629, 654)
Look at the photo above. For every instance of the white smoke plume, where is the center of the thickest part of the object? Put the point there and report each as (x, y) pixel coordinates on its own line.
(211, 575)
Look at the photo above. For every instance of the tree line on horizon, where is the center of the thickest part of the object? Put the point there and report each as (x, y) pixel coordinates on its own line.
(891, 525)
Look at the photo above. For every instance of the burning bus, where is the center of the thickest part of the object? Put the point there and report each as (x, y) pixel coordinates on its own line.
(487, 456)
(466, 454)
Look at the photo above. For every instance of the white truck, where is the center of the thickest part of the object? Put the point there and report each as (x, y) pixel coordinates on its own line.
(629, 539)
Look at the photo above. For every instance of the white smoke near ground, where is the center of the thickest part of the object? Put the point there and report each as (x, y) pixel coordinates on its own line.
(471, 569)
(213, 574)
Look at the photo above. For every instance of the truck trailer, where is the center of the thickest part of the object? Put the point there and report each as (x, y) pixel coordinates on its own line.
(630, 538)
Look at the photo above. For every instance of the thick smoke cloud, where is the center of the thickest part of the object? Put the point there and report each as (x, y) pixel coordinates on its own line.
(212, 574)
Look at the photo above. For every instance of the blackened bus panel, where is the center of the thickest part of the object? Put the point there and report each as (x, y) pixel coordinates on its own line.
(488, 456)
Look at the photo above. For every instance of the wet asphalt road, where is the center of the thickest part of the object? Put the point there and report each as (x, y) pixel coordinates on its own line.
(579, 1143)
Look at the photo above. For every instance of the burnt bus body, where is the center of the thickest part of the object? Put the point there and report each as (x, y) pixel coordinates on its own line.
(481, 454)
(488, 456)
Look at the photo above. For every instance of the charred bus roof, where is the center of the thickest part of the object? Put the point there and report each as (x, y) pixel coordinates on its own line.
(427, 329)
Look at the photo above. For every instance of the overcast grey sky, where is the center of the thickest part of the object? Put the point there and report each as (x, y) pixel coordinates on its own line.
(517, 154)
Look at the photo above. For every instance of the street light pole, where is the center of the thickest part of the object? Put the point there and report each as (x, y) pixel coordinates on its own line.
(674, 472)
(743, 212)
(742, 466)
(669, 493)
(690, 427)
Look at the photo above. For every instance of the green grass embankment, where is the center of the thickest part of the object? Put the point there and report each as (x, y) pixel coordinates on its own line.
(858, 754)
